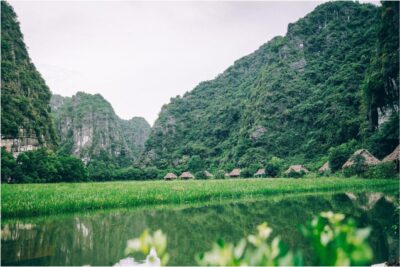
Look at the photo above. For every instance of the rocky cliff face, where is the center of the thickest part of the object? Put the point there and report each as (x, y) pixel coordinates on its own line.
(90, 129)
(25, 112)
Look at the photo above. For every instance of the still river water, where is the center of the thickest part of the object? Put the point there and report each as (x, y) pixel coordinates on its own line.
(100, 239)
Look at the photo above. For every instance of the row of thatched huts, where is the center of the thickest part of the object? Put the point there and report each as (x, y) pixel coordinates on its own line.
(369, 159)
(185, 175)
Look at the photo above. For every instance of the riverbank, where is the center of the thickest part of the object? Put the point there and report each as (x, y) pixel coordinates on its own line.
(25, 200)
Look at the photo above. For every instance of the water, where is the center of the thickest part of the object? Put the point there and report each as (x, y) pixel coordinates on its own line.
(100, 239)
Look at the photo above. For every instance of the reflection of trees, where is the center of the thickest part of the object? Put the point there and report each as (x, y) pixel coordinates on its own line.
(378, 211)
(100, 239)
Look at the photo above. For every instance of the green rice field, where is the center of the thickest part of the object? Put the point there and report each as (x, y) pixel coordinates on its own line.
(24, 200)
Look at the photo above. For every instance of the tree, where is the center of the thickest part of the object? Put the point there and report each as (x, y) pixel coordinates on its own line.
(274, 166)
(72, 170)
(246, 173)
(8, 166)
(195, 164)
(338, 155)
(200, 175)
(220, 174)
(151, 173)
(359, 166)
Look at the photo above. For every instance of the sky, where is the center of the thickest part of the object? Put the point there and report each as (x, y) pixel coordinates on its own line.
(138, 55)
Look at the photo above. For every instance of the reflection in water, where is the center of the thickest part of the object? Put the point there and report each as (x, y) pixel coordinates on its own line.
(151, 260)
(100, 239)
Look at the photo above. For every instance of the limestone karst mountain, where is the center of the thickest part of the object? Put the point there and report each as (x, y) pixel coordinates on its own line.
(25, 112)
(89, 128)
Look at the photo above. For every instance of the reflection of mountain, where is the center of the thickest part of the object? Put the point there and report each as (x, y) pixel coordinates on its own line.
(100, 239)
(367, 201)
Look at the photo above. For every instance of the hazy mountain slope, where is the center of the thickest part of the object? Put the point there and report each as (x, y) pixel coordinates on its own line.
(25, 120)
(135, 131)
(295, 97)
(89, 128)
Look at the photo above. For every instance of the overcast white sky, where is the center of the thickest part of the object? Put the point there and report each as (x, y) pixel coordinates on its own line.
(140, 54)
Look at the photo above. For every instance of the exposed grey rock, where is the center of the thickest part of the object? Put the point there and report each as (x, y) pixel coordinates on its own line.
(298, 65)
(257, 132)
(25, 142)
(89, 127)
(57, 101)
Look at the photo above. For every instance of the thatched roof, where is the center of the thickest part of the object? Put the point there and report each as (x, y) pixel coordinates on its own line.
(186, 175)
(235, 173)
(394, 155)
(325, 167)
(296, 168)
(170, 176)
(208, 174)
(260, 172)
(369, 158)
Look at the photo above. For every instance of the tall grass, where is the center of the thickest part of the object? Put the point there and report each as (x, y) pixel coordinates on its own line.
(24, 200)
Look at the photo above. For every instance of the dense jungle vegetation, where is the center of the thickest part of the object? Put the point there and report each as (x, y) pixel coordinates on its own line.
(323, 85)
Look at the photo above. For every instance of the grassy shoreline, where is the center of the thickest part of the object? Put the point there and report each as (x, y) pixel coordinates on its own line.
(26, 200)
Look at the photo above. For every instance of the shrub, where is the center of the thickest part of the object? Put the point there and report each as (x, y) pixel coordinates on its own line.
(246, 173)
(274, 167)
(200, 175)
(348, 172)
(385, 170)
(151, 173)
(311, 175)
(72, 169)
(130, 173)
(8, 166)
(359, 166)
(339, 155)
(294, 174)
(220, 174)
(325, 173)
(195, 164)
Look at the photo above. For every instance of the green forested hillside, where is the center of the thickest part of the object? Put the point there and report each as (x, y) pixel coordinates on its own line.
(295, 97)
(24, 94)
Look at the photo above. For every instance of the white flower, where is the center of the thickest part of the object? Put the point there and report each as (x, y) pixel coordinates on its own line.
(152, 259)
(264, 231)
(134, 244)
(252, 239)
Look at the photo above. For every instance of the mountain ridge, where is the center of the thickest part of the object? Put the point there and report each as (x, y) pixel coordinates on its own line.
(295, 97)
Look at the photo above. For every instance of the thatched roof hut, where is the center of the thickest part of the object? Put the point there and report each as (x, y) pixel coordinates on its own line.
(186, 175)
(208, 174)
(235, 173)
(296, 168)
(324, 167)
(260, 172)
(170, 176)
(394, 156)
(369, 158)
